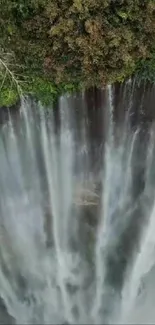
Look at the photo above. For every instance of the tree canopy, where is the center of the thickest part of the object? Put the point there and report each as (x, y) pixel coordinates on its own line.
(79, 42)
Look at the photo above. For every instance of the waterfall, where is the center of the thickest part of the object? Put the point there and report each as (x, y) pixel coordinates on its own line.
(77, 209)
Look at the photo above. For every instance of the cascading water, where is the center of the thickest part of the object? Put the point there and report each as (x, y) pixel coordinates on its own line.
(77, 212)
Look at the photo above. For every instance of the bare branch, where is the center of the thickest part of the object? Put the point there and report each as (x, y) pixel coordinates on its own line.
(4, 66)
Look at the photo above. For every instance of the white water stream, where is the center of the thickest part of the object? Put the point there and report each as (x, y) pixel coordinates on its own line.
(56, 265)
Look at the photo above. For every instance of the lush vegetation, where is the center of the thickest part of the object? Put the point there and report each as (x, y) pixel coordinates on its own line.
(61, 45)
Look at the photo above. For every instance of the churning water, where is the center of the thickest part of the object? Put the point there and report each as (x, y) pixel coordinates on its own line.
(77, 211)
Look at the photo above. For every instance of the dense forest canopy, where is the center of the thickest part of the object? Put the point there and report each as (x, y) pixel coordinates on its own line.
(61, 45)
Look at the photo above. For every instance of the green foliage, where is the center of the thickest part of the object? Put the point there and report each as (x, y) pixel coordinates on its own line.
(47, 91)
(43, 90)
(8, 97)
(64, 44)
(145, 69)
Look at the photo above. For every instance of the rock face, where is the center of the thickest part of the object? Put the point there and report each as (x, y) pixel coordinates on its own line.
(86, 206)
(5, 111)
(86, 196)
